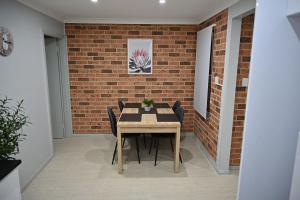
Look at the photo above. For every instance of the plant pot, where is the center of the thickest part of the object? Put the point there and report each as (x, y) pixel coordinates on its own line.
(147, 108)
(9, 180)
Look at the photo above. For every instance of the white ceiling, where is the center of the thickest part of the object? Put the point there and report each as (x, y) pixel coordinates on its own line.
(130, 11)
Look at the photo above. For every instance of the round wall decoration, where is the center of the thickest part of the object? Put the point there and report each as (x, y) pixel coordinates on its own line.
(6, 42)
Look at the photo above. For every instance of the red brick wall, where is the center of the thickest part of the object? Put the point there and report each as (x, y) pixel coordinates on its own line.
(207, 129)
(241, 92)
(98, 70)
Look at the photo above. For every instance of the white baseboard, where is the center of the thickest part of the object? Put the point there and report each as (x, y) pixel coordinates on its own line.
(210, 159)
(234, 168)
(37, 172)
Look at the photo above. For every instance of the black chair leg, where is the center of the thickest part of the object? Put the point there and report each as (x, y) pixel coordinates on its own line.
(123, 142)
(171, 144)
(173, 149)
(180, 158)
(112, 162)
(137, 148)
(151, 145)
(157, 145)
(144, 136)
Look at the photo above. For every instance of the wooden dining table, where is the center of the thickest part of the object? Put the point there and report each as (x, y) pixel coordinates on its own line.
(161, 119)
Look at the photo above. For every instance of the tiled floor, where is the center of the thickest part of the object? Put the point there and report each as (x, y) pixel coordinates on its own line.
(81, 170)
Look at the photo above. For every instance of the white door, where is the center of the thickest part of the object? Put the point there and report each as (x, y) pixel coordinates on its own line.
(54, 83)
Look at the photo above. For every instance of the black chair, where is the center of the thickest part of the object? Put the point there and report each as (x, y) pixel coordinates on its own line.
(156, 136)
(176, 105)
(113, 123)
(121, 104)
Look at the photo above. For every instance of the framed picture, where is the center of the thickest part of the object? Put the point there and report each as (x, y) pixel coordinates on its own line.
(139, 56)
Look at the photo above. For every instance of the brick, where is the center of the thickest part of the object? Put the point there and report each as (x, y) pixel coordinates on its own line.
(151, 79)
(180, 42)
(185, 63)
(105, 95)
(175, 29)
(109, 71)
(103, 27)
(98, 58)
(162, 62)
(156, 91)
(92, 54)
(99, 41)
(174, 54)
(74, 49)
(114, 62)
(89, 66)
(116, 37)
(110, 50)
(83, 79)
(173, 71)
(157, 33)
(72, 71)
(112, 83)
(139, 95)
(162, 46)
(133, 32)
(84, 103)
(89, 91)
(139, 87)
(123, 91)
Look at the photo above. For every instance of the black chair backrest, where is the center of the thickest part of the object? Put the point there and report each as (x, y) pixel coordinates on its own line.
(180, 114)
(121, 104)
(176, 105)
(113, 120)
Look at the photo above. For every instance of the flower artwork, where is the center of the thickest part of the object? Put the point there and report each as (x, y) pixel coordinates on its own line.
(139, 56)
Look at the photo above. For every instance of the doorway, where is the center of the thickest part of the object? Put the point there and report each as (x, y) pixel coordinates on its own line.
(241, 89)
(58, 86)
(232, 53)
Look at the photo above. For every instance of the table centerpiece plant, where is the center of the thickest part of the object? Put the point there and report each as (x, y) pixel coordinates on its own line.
(148, 104)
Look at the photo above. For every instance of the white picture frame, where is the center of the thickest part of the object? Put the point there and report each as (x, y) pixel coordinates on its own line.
(140, 56)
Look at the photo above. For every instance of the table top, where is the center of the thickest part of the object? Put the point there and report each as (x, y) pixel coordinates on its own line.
(161, 115)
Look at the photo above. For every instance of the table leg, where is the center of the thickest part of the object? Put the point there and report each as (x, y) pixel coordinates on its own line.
(120, 158)
(177, 149)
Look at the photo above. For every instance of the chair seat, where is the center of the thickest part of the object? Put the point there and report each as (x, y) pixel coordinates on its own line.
(162, 135)
(129, 135)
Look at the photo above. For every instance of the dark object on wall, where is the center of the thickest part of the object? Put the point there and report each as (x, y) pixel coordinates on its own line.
(6, 42)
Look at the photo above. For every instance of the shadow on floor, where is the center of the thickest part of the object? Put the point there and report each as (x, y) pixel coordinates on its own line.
(165, 160)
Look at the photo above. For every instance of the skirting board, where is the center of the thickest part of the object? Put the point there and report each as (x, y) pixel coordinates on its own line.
(210, 159)
(38, 171)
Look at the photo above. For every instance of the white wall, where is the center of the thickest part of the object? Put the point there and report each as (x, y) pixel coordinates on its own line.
(295, 192)
(23, 75)
(273, 106)
(293, 7)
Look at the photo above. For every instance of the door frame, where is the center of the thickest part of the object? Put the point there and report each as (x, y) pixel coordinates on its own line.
(235, 15)
(63, 69)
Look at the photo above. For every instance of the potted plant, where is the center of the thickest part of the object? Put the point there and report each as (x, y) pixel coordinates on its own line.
(12, 119)
(148, 104)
